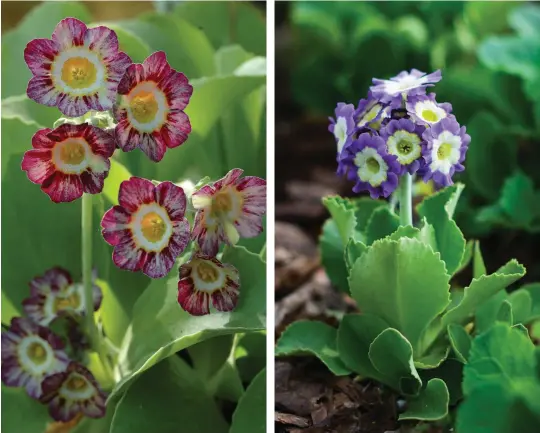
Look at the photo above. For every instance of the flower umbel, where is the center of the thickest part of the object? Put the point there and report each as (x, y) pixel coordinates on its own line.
(228, 209)
(205, 279)
(147, 229)
(77, 70)
(71, 392)
(404, 141)
(69, 161)
(29, 353)
(150, 113)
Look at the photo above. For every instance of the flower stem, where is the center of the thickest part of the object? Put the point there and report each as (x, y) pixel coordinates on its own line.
(405, 200)
(91, 327)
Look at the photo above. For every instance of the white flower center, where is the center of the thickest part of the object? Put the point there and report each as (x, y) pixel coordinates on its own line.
(74, 156)
(207, 276)
(36, 355)
(77, 387)
(445, 152)
(147, 107)
(405, 146)
(77, 67)
(371, 166)
(340, 132)
(429, 112)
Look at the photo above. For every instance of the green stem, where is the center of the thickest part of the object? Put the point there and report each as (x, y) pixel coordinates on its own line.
(405, 200)
(91, 327)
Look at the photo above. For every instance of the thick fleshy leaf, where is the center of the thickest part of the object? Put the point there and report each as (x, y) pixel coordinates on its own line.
(438, 211)
(481, 289)
(430, 405)
(332, 255)
(316, 338)
(169, 395)
(161, 328)
(397, 294)
(460, 341)
(383, 222)
(250, 414)
(20, 410)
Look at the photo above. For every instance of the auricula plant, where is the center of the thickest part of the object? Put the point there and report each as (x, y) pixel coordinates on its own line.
(415, 325)
(111, 105)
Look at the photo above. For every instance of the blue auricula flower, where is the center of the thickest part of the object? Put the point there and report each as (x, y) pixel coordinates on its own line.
(342, 127)
(404, 140)
(408, 83)
(371, 166)
(426, 110)
(447, 144)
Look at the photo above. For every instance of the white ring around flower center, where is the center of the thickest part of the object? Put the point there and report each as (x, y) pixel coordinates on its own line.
(340, 132)
(412, 139)
(95, 162)
(429, 106)
(210, 286)
(136, 227)
(369, 115)
(444, 165)
(364, 172)
(27, 363)
(163, 107)
(64, 56)
(85, 393)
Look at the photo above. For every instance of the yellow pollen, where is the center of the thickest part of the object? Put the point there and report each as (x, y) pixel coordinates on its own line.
(404, 146)
(75, 383)
(72, 152)
(207, 272)
(144, 107)
(222, 203)
(429, 115)
(373, 165)
(62, 303)
(79, 72)
(444, 151)
(153, 227)
(37, 353)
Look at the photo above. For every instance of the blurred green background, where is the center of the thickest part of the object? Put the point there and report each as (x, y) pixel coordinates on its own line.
(489, 54)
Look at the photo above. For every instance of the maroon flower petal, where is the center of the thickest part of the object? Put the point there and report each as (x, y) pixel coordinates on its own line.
(172, 198)
(195, 303)
(135, 192)
(38, 165)
(39, 55)
(63, 188)
(175, 132)
(69, 33)
(115, 225)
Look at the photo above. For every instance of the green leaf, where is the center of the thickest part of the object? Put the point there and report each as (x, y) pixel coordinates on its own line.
(117, 175)
(168, 395)
(467, 256)
(161, 328)
(487, 169)
(250, 414)
(355, 334)
(332, 255)
(504, 314)
(342, 212)
(521, 302)
(16, 139)
(19, 410)
(525, 20)
(511, 54)
(481, 289)
(430, 405)
(38, 23)
(28, 111)
(385, 282)
(460, 340)
(316, 338)
(251, 355)
(451, 372)
(518, 200)
(8, 310)
(363, 209)
(479, 268)
(534, 291)
(491, 361)
(382, 223)
(209, 356)
(438, 210)
(353, 251)
(405, 232)
(130, 43)
(392, 356)
(484, 20)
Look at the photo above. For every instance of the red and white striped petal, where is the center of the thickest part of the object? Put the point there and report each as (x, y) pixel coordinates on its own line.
(205, 278)
(69, 160)
(207, 234)
(150, 110)
(78, 70)
(148, 229)
(72, 392)
(29, 353)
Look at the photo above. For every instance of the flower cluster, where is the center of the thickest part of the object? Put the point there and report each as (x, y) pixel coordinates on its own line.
(81, 71)
(36, 358)
(398, 129)
(149, 230)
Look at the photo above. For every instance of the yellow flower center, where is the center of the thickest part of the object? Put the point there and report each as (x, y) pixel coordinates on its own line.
(79, 72)
(72, 152)
(207, 272)
(444, 151)
(373, 165)
(73, 301)
(144, 107)
(37, 353)
(222, 203)
(429, 115)
(153, 227)
(75, 383)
